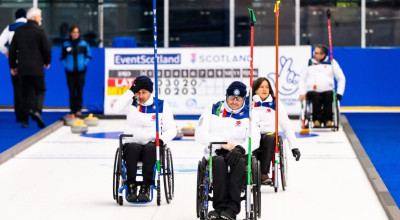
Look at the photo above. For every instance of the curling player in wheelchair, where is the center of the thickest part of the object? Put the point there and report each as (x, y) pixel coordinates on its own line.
(227, 121)
(139, 106)
(264, 104)
(317, 83)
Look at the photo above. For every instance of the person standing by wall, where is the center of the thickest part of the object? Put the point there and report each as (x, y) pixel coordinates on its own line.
(29, 53)
(75, 57)
(5, 39)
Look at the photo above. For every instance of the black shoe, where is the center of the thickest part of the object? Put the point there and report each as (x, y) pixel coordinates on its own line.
(144, 194)
(38, 118)
(25, 124)
(132, 190)
(228, 214)
(215, 214)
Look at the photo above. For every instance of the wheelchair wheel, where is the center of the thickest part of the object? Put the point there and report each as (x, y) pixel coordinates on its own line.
(117, 177)
(282, 163)
(259, 189)
(202, 191)
(168, 175)
(199, 191)
(254, 189)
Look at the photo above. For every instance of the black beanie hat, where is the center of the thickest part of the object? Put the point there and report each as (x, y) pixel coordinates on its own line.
(20, 13)
(142, 82)
(236, 88)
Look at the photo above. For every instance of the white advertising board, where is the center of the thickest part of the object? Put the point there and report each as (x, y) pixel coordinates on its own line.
(190, 79)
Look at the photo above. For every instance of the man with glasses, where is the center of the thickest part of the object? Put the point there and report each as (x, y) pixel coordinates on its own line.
(228, 121)
(317, 83)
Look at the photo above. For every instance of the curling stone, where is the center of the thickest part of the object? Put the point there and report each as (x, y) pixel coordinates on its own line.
(179, 134)
(91, 120)
(79, 127)
(188, 130)
(70, 119)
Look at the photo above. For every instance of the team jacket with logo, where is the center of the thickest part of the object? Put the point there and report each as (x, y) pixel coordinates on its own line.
(141, 118)
(322, 75)
(266, 114)
(75, 56)
(222, 124)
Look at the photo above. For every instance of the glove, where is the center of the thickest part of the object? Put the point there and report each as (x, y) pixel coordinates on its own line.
(296, 153)
(234, 155)
(161, 142)
(338, 97)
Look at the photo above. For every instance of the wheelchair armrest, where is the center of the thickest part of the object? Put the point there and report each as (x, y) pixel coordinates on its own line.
(215, 143)
(121, 136)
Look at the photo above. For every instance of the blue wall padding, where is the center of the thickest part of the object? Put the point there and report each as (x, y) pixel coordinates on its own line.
(56, 82)
(372, 74)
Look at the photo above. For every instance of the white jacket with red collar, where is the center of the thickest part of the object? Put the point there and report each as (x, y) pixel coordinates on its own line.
(141, 118)
(266, 114)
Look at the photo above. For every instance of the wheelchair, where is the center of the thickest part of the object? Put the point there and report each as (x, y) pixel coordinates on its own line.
(120, 175)
(205, 187)
(306, 119)
(282, 167)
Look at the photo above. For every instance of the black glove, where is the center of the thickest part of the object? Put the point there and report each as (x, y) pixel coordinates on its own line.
(296, 153)
(338, 97)
(161, 142)
(234, 155)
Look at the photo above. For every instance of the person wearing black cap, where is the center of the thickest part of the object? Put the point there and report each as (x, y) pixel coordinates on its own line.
(5, 39)
(228, 121)
(139, 106)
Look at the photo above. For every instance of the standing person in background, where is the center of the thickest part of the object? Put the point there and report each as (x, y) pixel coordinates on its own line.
(5, 39)
(75, 57)
(29, 53)
(317, 83)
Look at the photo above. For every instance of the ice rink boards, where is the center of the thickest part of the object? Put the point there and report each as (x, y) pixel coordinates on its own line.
(69, 176)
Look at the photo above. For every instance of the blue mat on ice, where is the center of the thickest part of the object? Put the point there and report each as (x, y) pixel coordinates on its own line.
(380, 137)
(11, 132)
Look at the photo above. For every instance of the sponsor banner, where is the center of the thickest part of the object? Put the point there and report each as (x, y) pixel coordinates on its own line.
(190, 79)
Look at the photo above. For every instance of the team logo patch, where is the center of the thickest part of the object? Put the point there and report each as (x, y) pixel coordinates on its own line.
(236, 92)
(153, 117)
(238, 123)
(269, 110)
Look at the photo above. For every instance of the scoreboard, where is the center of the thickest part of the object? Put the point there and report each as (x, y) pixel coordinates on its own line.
(190, 79)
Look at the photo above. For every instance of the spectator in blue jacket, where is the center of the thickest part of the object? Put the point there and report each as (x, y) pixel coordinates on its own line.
(75, 57)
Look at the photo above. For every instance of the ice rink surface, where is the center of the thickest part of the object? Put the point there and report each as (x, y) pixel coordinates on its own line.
(69, 176)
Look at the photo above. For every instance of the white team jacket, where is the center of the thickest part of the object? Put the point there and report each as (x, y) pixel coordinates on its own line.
(322, 75)
(219, 123)
(266, 114)
(141, 118)
(7, 35)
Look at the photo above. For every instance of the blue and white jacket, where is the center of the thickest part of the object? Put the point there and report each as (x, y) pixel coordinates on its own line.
(8, 33)
(141, 119)
(75, 56)
(266, 114)
(219, 123)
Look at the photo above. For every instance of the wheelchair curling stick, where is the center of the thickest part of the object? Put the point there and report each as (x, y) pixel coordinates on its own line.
(276, 182)
(248, 187)
(156, 88)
